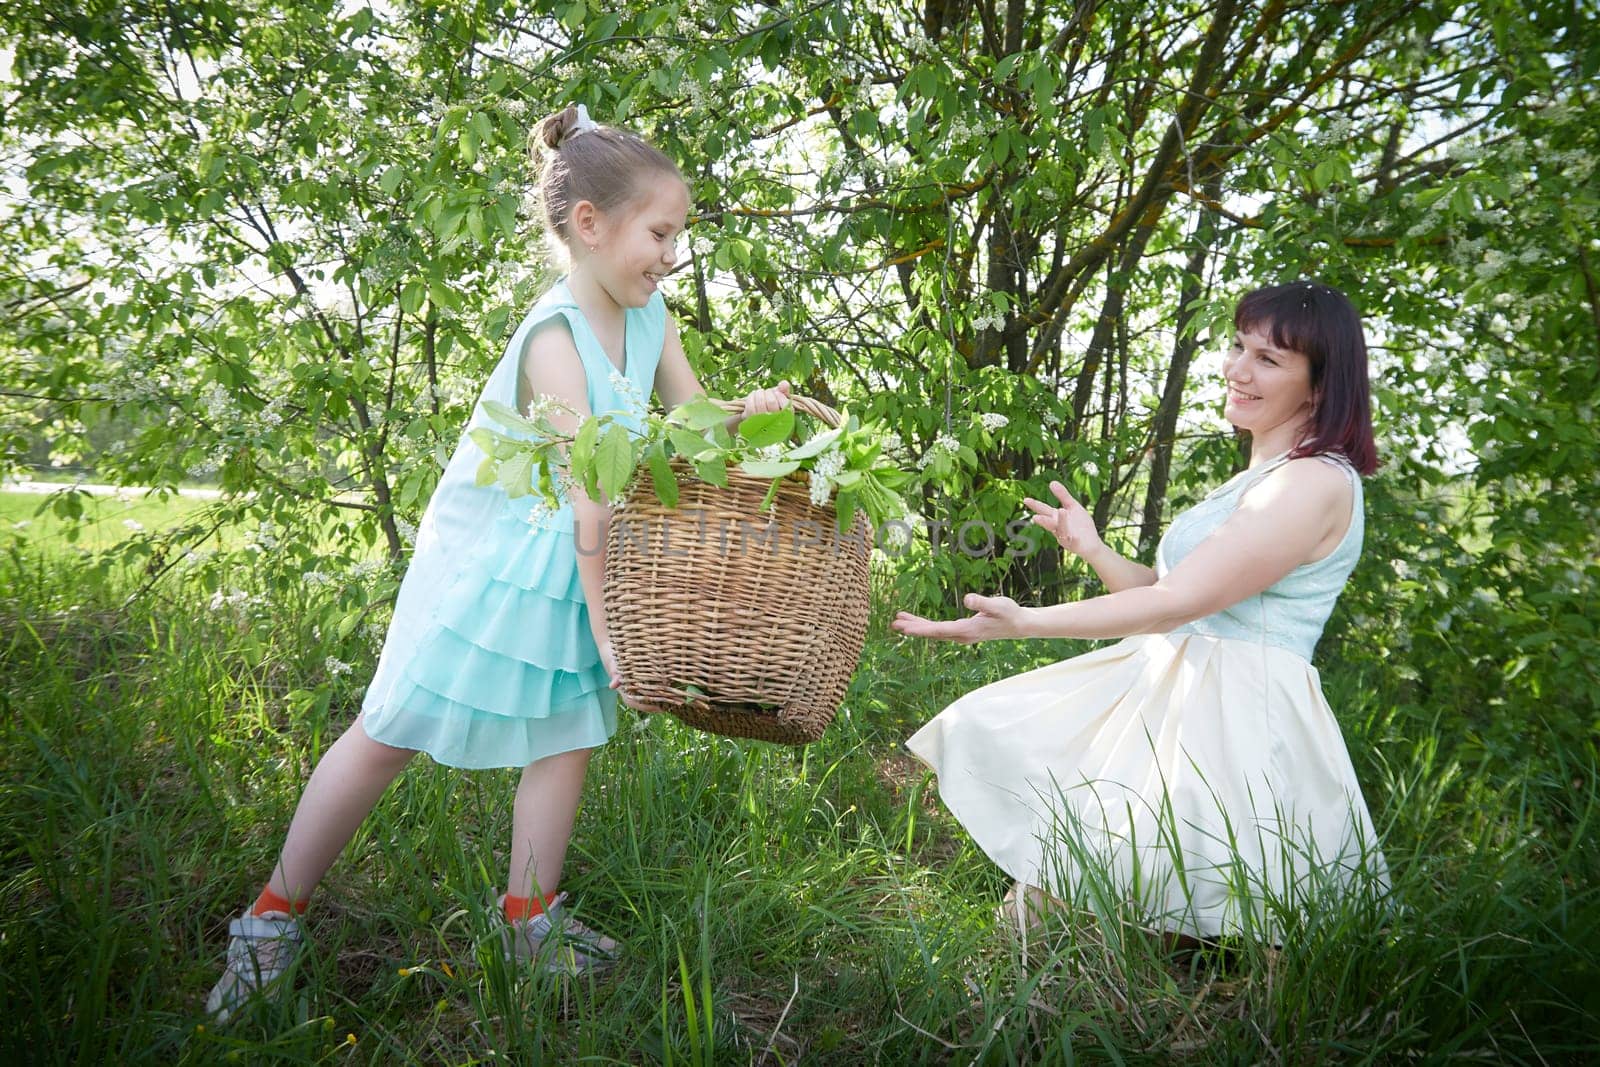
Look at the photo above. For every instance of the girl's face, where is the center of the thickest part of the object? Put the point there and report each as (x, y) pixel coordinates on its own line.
(635, 246)
(1268, 387)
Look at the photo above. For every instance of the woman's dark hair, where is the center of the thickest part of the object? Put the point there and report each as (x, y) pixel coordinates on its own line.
(600, 164)
(1320, 323)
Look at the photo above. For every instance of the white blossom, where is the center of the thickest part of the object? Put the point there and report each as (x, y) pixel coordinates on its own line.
(993, 420)
(627, 392)
(336, 667)
(134, 525)
(541, 516)
(944, 444)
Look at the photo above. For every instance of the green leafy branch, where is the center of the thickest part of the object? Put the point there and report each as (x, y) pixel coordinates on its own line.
(846, 463)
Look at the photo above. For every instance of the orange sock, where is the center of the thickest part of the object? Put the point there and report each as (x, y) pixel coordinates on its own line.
(270, 901)
(522, 908)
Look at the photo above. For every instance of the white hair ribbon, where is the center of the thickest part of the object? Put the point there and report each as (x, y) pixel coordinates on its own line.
(583, 125)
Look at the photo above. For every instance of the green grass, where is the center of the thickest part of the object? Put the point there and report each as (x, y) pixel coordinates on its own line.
(32, 518)
(779, 905)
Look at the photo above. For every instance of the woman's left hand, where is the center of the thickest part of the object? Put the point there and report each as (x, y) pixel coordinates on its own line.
(994, 618)
(765, 401)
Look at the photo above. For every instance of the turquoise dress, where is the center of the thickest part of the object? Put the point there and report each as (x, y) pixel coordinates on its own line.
(1197, 774)
(489, 660)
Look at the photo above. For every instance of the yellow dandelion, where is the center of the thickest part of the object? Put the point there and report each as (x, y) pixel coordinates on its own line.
(349, 1039)
(405, 972)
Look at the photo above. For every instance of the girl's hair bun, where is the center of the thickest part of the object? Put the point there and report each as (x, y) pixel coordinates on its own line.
(558, 126)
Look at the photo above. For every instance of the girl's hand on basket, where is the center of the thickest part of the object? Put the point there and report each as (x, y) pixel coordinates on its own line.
(1072, 526)
(994, 618)
(766, 401)
(608, 660)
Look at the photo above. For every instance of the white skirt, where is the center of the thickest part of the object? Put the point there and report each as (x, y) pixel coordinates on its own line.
(1203, 780)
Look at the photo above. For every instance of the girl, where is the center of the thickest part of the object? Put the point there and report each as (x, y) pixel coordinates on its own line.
(1194, 765)
(497, 655)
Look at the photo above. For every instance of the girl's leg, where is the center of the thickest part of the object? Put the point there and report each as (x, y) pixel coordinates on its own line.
(263, 942)
(541, 821)
(345, 785)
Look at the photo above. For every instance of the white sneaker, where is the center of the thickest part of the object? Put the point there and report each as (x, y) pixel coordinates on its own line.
(558, 942)
(260, 949)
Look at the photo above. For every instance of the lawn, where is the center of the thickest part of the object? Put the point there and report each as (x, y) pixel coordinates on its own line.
(778, 905)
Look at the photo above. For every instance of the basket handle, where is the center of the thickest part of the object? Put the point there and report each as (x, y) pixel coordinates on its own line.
(803, 404)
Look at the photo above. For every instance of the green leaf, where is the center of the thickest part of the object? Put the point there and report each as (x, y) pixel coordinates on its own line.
(688, 443)
(768, 428)
(614, 459)
(581, 457)
(411, 297)
(769, 468)
(484, 438)
(508, 416)
(817, 445)
(391, 178)
(713, 470)
(666, 485)
(516, 475)
(698, 414)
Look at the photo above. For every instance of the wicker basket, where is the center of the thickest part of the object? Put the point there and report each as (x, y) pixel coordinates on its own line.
(738, 621)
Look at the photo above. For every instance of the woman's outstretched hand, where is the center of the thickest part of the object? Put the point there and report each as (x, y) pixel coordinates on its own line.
(994, 618)
(1072, 526)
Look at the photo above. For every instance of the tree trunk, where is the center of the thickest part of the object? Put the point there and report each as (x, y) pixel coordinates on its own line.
(1183, 349)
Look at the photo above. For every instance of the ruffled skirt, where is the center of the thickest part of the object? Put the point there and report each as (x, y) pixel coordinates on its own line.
(1202, 780)
(489, 660)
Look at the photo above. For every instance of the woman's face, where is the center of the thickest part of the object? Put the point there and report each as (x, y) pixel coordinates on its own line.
(1268, 387)
(636, 246)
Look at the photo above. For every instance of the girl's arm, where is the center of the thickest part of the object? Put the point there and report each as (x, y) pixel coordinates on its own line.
(676, 383)
(551, 367)
(1296, 514)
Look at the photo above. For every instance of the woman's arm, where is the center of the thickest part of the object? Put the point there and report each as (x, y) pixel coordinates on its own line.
(1287, 520)
(551, 367)
(1074, 529)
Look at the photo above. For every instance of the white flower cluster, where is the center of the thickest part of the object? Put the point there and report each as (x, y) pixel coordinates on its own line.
(1338, 130)
(829, 465)
(336, 667)
(406, 530)
(1493, 263)
(627, 392)
(235, 600)
(264, 539)
(944, 444)
(541, 516)
(219, 404)
(1091, 468)
(993, 420)
(211, 464)
(700, 96)
(543, 405)
(989, 320)
(961, 130)
(133, 525)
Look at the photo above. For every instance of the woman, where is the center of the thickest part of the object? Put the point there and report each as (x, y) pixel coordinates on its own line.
(1194, 768)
